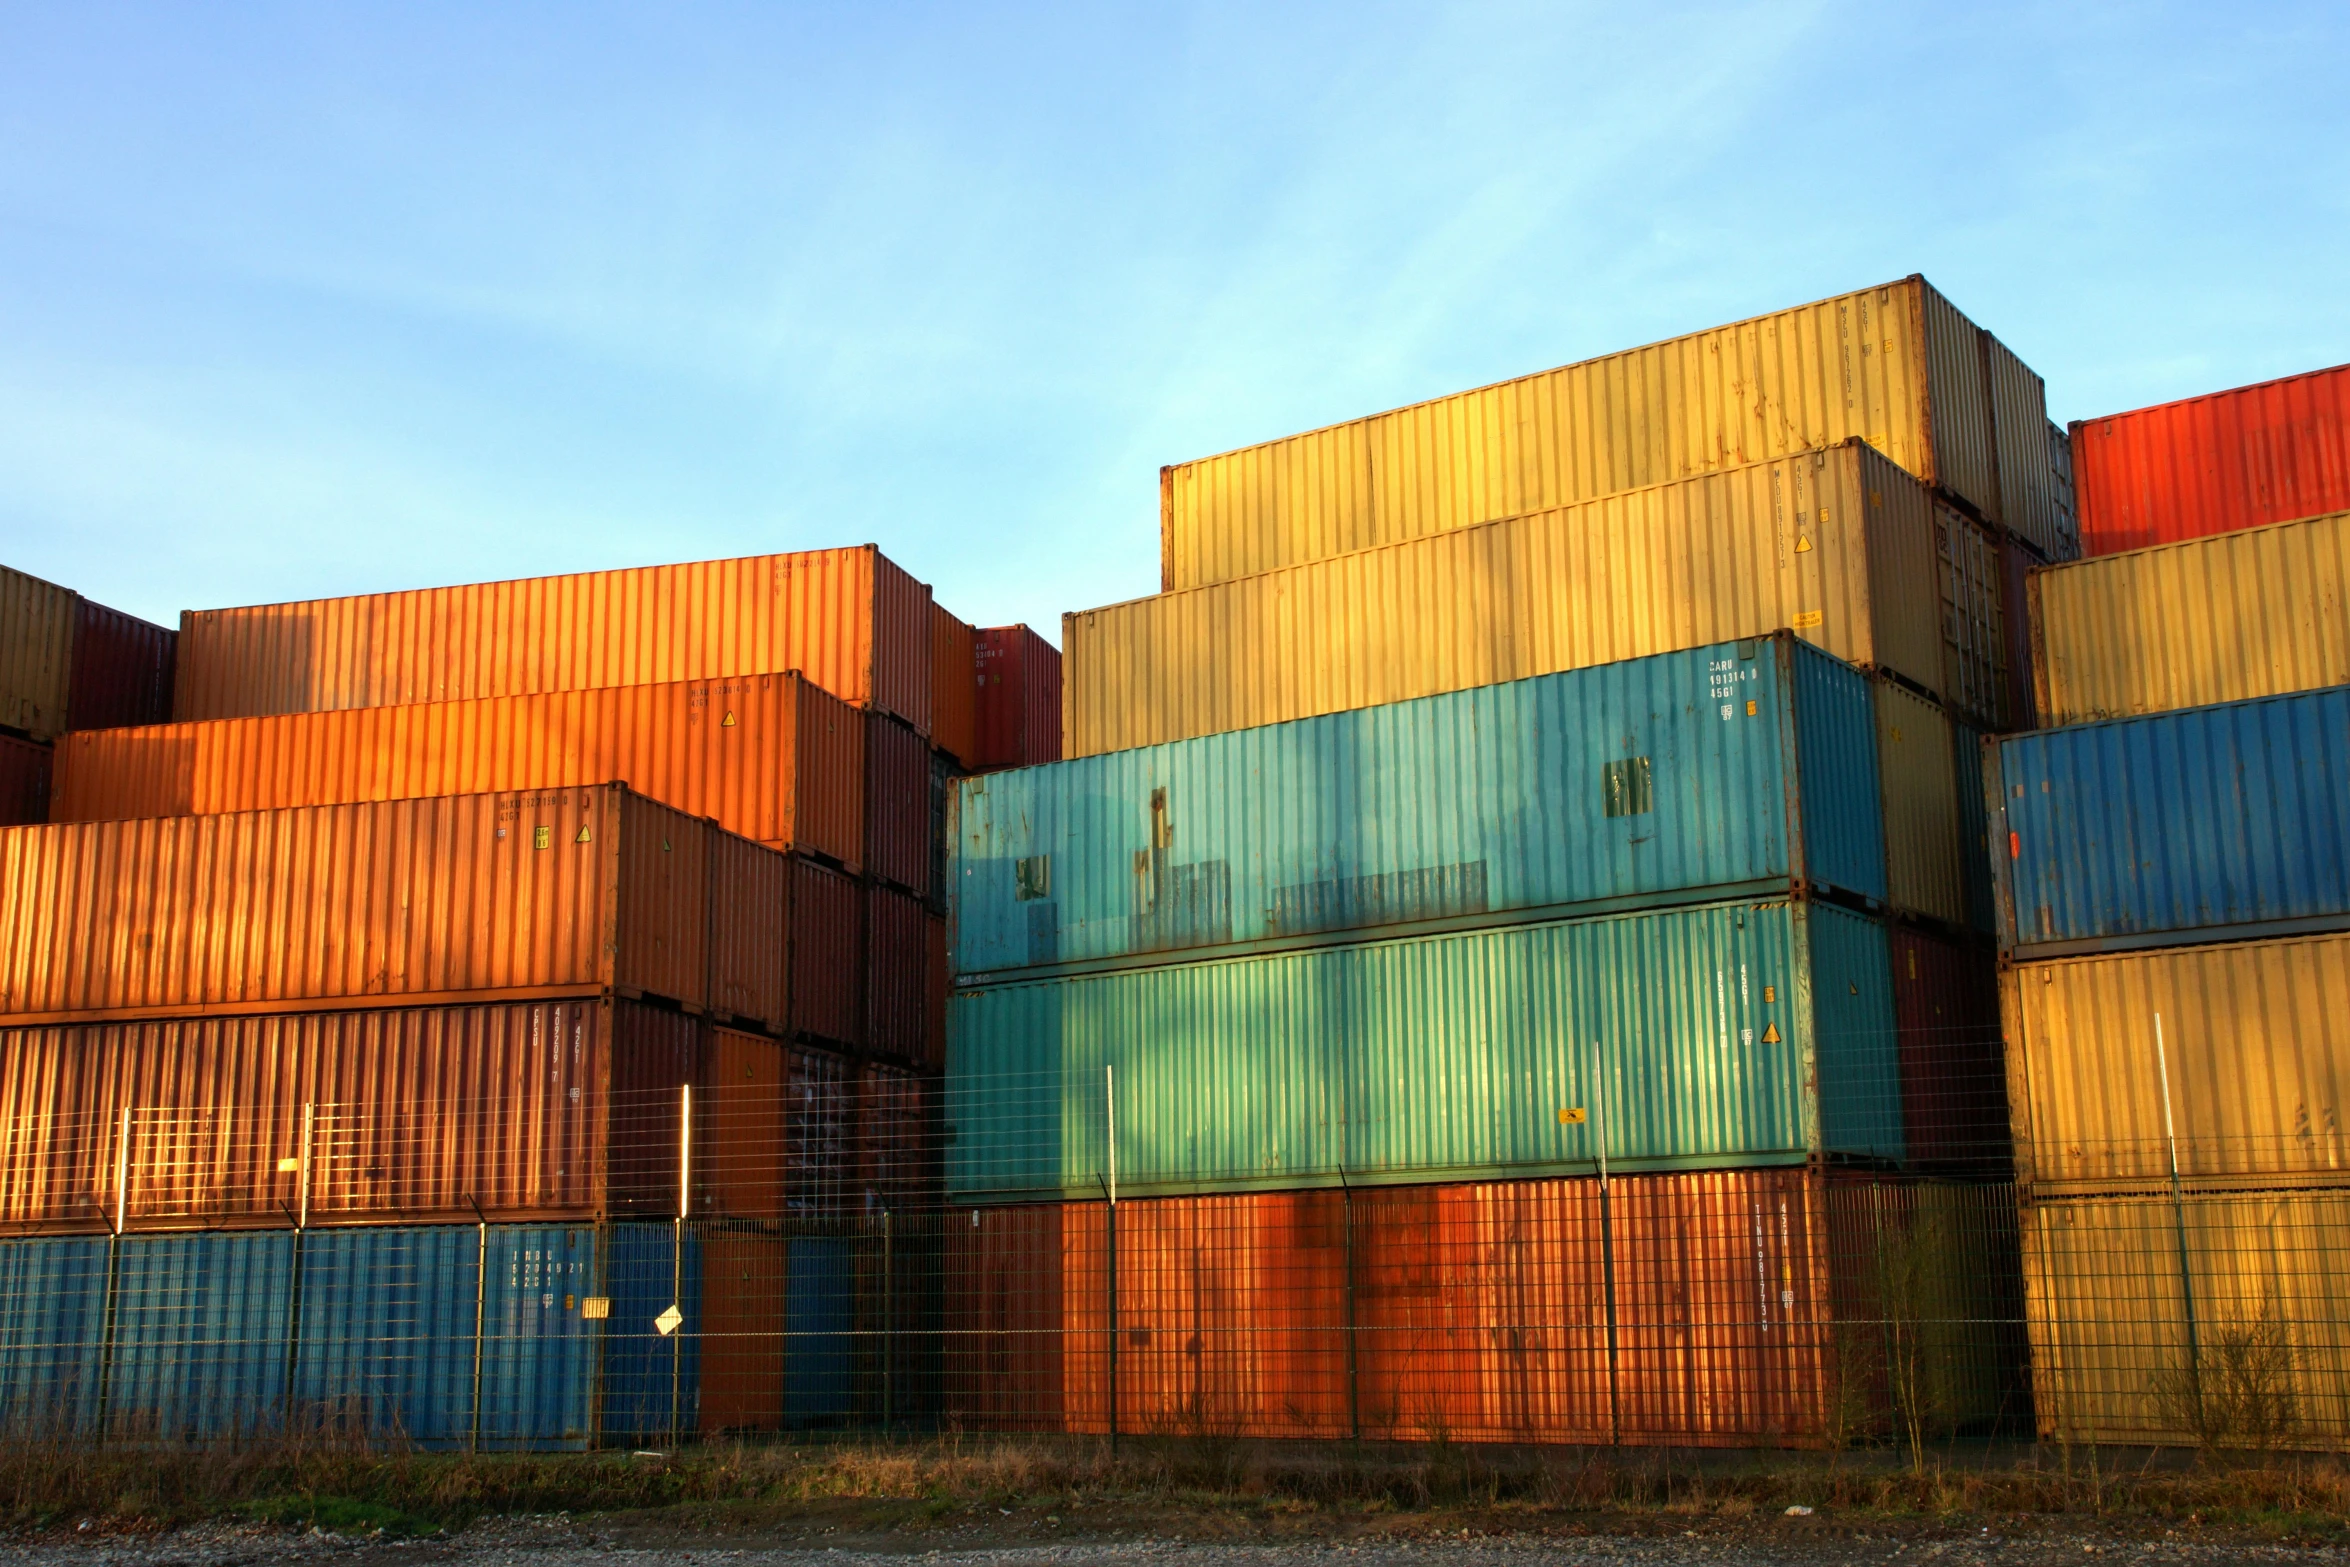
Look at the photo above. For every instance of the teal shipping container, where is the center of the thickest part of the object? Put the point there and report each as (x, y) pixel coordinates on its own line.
(1741, 770)
(1732, 1034)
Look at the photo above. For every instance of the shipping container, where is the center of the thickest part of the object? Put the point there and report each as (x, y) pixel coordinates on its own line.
(1729, 1034)
(848, 619)
(827, 955)
(37, 625)
(954, 686)
(897, 975)
(1919, 767)
(1896, 366)
(1745, 1306)
(560, 892)
(122, 670)
(2258, 612)
(1840, 545)
(1741, 769)
(2209, 824)
(782, 1133)
(770, 757)
(2203, 465)
(2204, 1320)
(1019, 712)
(24, 781)
(898, 843)
(1954, 1112)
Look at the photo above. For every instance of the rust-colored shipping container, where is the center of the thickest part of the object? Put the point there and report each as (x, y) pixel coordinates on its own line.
(559, 892)
(772, 757)
(2270, 452)
(897, 976)
(954, 694)
(1019, 716)
(24, 781)
(780, 1131)
(414, 1115)
(1953, 1063)
(898, 810)
(848, 619)
(897, 1142)
(37, 624)
(744, 1350)
(122, 670)
(827, 927)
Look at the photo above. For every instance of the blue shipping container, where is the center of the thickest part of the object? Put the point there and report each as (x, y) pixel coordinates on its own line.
(1746, 769)
(2205, 824)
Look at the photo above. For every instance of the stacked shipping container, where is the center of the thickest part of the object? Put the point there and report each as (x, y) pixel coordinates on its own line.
(66, 662)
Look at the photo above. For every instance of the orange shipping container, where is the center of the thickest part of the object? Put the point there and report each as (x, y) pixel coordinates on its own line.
(771, 757)
(848, 619)
(954, 686)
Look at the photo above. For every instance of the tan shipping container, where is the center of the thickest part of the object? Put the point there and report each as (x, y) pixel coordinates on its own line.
(954, 686)
(848, 619)
(1839, 544)
(1896, 366)
(37, 625)
(1925, 831)
(468, 897)
(2256, 613)
(771, 757)
(2254, 1059)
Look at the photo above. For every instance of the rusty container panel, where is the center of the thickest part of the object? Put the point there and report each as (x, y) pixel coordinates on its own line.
(122, 670)
(2254, 1058)
(744, 1348)
(24, 781)
(532, 1109)
(1919, 763)
(897, 975)
(1004, 1339)
(1896, 366)
(2241, 458)
(2256, 612)
(778, 1132)
(1953, 1063)
(1839, 545)
(827, 928)
(954, 686)
(749, 931)
(1019, 712)
(898, 847)
(848, 619)
(37, 625)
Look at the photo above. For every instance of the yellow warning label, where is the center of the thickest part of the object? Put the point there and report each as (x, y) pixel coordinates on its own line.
(1806, 619)
(727, 722)
(1572, 1117)
(1771, 1034)
(542, 837)
(1750, 709)
(288, 1165)
(584, 835)
(1803, 544)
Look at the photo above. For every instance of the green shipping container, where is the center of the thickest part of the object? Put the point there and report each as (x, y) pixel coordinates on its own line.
(1732, 1034)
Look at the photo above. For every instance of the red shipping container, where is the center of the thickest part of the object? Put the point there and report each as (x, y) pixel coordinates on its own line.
(122, 671)
(827, 928)
(2272, 452)
(1019, 717)
(953, 692)
(897, 805)
(897, 975)
(24, 781)
(1952, 1054)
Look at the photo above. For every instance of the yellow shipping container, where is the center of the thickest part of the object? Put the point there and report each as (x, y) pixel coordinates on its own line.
(2254, 613)
(2222, 1318)
(2255, 1058)
(37, 621)
(1925, 832)
(1897, 366)
(1841, 545)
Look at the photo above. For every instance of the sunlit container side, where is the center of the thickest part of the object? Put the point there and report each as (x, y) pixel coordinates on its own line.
(1019, 712)
(1741, 769)
(898, 847)
(2257, 612)
(1954, 1113)
(2135, 1300)
(1840, 545)
(1730, 1034)
(847, 619)
(25, 767)
(1896, 366)
(1745, 1304)
(1918, 763)
(771, 757)
(37, 624)
(2241, 458)
(472, 897)
(2208, 824)
(897, 974)
(954, 685)
(122, 670)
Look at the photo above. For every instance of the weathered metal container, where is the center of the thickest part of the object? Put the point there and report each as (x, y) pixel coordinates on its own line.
(122, 670)
(2235, 459)
(827, 955)
(37, 625)
(1954, 1113)
(773, 758)
(1728, 1034)
(847, 619)
(2256, 612)
(1896, 366)
(954, 686)
(1746, 1306)
(1919, 766)
(897, 974)
(562, 892)
(2208, 824)
(780, 1134)
(898, 839)
(24, 781)
(1841, 545)
(1741, 769)
(2207, 1319)
(1019, 711)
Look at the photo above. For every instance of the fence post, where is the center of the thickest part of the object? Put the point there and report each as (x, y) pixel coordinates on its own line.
(1354, 1386)
(294, 1294)
(685, 1171)
(1607, 1238)
(889, 1323)
(481, 1282)
(2178, 1204)
(122, 1174)
(1110, 1101)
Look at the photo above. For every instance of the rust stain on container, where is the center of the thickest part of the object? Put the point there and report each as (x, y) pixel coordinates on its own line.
(1019, 712)
(848, 619)
(37, 625)
(954, 693)
(898, 846)
(24, 781)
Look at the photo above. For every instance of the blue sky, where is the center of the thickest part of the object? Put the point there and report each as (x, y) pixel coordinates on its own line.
(321, 299)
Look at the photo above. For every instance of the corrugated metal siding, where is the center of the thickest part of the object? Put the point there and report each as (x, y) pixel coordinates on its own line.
(2167, 828)
(1732, 1034)
(1019, 712)
(37, 624)
(897, 805)
(847, 619)
(1925, 834)
(2235, 459)
(1979, 661)
(2035, 494)
(827, 927)
(1975, 845)
(24, 781)
(1641, 782)
(954, 686)
(2253, 613)
(1896, 366)
(1954, 1111)
(1839, 545)
(52, 1311)
(897, 973)
(122, 670)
